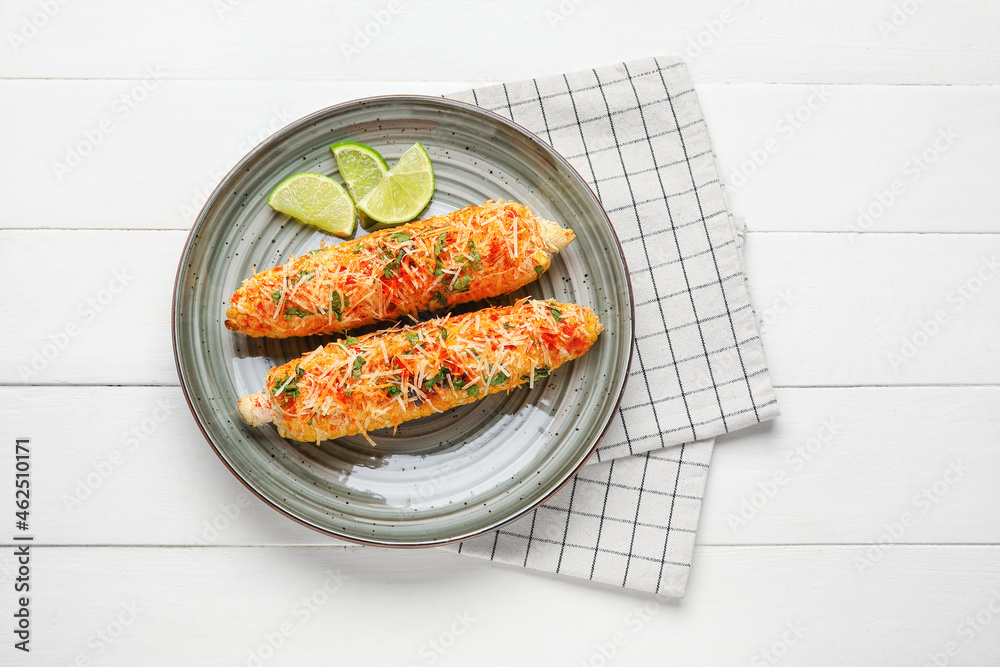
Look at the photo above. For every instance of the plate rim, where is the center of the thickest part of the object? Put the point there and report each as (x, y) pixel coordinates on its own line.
(278, 136)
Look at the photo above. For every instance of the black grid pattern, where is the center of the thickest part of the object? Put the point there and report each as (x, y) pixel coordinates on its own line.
(636, 133)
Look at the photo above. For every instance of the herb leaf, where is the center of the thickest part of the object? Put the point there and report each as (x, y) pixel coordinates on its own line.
(499, 379)
(476, 260)
(393, 390)
(556, 313)
(392, 268)
(338, 304)
(296, 312)
(400, 237)
(461, 285)
(358, 365)
(432, 382)
(351, 340)
(473, 390)
(276, 295)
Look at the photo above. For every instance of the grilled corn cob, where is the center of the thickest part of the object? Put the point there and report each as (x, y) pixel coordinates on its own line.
(471, 254)
(385, 378)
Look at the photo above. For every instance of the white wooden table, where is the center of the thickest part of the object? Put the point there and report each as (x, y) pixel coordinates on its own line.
(860, 140)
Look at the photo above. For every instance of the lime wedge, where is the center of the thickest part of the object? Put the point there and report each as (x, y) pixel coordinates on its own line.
(403, 191)
(316, 200)
(360, 166)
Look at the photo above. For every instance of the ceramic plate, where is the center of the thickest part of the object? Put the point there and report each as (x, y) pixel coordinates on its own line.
(444, 477)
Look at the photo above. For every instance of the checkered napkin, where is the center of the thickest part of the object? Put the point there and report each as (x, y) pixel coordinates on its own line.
(636, 133)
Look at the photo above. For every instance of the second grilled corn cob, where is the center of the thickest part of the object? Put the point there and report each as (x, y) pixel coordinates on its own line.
(386, 378)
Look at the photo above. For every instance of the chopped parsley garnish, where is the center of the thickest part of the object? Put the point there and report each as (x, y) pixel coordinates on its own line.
(296, 312)
(393, 390)
(508, 326)
(358, 365)
(392, 268)
(289, 388)
(313, 252)
(351, 340)
(444, 333)
(476, 260)
(556, 313)
(339, 304)
(461, 285)
(304, 272)
(540, 372)
(356, 249)
(499, 379)
(438, 296)
(539, 270)
(432, 382)
(473, 390)
(412, 338)
(458, 383)
(438, 249)
(276, 295)
(400, 237)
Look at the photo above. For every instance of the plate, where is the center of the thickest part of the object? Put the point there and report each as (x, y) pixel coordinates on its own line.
(442, 478)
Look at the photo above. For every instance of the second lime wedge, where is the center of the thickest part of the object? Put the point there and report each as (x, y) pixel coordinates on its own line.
(402, 192)
(360, 165)
(317, 200)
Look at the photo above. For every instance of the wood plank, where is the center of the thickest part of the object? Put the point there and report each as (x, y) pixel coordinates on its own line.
(745, 605)
(850, 41)
(879, 309)
(141, 158)
(860, 465)
(838, 466)
(159, 161)
(858, 158)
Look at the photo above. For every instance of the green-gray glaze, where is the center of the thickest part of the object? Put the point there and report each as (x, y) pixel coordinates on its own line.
(445, 477)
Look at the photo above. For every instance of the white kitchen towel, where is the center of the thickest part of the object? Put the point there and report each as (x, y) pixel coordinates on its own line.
(636, 133)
